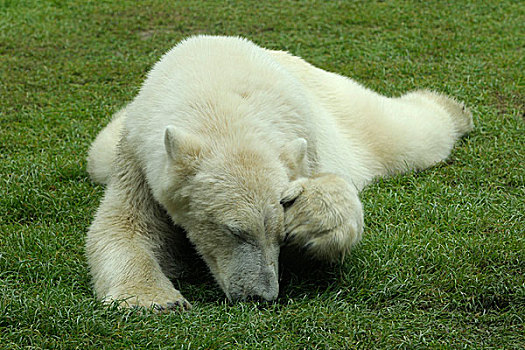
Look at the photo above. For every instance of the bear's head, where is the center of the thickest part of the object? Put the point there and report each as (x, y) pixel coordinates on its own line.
(227, 196)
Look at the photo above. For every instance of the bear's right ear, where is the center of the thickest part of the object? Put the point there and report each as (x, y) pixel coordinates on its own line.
(294, 155)
(179, 143)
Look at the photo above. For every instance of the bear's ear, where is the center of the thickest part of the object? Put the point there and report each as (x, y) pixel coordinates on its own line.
(179, 143)
(294, 156)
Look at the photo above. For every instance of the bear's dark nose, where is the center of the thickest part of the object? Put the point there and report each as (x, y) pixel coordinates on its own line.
(263, 297)
(266, 290)
(257, 298)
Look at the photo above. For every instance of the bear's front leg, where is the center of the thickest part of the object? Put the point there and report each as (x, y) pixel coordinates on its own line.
(125, 245)
(323, 215)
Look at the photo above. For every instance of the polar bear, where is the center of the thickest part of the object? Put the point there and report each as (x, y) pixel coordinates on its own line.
(244, 150)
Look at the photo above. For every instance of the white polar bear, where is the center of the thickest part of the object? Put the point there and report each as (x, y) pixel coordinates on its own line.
(246, 149)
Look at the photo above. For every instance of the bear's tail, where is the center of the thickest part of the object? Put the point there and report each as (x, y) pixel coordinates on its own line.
(103, 150)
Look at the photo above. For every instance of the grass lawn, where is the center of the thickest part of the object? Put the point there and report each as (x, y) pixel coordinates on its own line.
(442, 261)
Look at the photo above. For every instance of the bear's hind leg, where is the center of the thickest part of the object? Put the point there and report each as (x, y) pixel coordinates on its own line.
(459, 114)
(416, 131)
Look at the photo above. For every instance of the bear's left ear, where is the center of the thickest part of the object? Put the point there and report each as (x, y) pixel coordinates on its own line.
(179, 143)
(294, 155)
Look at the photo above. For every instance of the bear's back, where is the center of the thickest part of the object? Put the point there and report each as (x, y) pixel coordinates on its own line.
(211, 86)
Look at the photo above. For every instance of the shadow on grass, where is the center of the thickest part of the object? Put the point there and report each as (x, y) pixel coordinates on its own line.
(299, 277)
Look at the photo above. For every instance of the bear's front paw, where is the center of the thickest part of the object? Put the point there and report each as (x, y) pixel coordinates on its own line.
(323, 215)
(159, 301)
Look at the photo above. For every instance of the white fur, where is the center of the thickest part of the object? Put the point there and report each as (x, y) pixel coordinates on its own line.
(222, 127)
(102, 152)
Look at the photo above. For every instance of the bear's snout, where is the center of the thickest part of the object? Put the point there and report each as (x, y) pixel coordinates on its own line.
(259, 287)
(253, 274)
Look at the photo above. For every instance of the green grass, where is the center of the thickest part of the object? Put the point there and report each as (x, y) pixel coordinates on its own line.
(442, 261)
